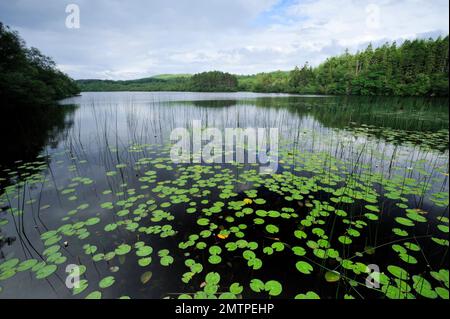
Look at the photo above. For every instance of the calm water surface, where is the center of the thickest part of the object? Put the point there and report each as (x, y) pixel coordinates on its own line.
(360, 181)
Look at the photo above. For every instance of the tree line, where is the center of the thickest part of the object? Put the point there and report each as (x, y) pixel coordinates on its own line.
(27, 77)
(212, 81)
(415, 68)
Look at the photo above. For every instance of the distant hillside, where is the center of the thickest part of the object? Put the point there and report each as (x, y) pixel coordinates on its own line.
(171, 76)
(158, 83)
(202, 82)
(415, 68)
(178, 82)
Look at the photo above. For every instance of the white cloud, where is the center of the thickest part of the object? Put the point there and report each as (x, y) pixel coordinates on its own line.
(131, 39)
(349, 21)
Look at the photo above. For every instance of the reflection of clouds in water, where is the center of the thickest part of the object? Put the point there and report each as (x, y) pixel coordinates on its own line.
(310, 124)
(99, 143)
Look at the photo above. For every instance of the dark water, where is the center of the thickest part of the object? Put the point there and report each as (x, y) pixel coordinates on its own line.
(349, 169)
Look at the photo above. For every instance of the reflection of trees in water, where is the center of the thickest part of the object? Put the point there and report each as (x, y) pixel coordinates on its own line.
(385, 117)
(5, 241)
(210, 103)
(420, 121)
(25, 132)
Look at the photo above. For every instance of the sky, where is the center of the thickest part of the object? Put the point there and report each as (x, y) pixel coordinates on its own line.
(132, 39)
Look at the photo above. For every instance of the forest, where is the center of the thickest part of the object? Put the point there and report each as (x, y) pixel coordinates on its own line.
(28, 77)
(414, 68)
(213, 81)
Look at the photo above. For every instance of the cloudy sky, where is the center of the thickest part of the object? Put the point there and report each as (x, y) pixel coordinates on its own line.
(137, 38)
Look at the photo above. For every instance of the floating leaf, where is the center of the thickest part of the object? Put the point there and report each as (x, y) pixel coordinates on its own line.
(299, 251)
(373, 208)
(236, 288)
(273, 287)
(144, 262)
(423, 287)
(212, 278)
(215, 250)
(94, 295)
(45, 271)
(203, 221)
(27, 264)
(308, 295)
(398, 272)
(123, 249)
(257, 285)
(106, 282)
(146, 276)
(144, 251)
(332, 276)
(255, 263)
(345, 240)
(166, 260)
(304, 267)
(442, 292)
(80, 287)
(404, 221)
(272, 229)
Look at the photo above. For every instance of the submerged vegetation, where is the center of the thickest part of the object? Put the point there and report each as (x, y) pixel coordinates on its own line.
(415, 68)
(27, 77)
(109, 199)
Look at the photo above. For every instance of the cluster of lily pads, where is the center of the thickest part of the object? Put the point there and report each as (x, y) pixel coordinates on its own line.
(312, 230)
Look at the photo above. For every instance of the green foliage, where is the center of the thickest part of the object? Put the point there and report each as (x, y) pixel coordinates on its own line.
(27, 77)
(214, 81)
(416, 68)
(164, 83)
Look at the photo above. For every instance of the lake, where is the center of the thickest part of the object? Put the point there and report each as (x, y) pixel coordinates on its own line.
(356, 207)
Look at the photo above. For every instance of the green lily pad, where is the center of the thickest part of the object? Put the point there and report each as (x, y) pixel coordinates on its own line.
(304, 267)
(273, 287)
(106, 282)
(308, 295)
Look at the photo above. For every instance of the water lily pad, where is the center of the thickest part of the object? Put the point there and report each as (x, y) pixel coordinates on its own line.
(203, 221)
(332, 276)
(272, 229)
(166, 260)
(236, 288)
(106, 282)
(404, 221)
(398, 272)
(257, 285)
(94, 295)
(146, 276)
(212, 278)
(45, 271)
(308, 295)
(346, 240)
(273, 287)
(123, 249)
(304, 267)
